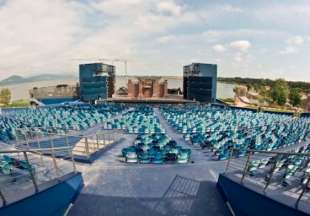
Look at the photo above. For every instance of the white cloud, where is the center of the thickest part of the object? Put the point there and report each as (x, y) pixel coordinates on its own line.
(241, 45)
(144, 17)
(117, 7)
(37, 38)
(166, 39)
(248, 32)
(284, 15)
(238, 57)
(230, 8)
(169, 8)
(296, 40)
(289, 50)
(45, 37)
(219, 48)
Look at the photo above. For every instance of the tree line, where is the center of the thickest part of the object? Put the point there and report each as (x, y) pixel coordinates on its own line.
(5, 96)
(282, 93)
(258, 83)
(274, 92)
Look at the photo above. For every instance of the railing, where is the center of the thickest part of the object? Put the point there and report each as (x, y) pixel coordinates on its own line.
(272, 170)
(81, 144)
(26, 172)
(89, 144)
(43, 130)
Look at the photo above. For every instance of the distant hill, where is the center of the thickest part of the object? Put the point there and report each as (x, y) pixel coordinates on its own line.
(15, 79)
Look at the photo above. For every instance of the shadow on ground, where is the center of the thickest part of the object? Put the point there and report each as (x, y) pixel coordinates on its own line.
(183, 197)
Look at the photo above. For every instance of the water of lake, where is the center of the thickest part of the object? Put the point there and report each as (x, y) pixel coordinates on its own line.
(21, 91)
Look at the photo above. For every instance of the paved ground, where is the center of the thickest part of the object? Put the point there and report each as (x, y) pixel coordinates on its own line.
(115, 188)
(4, 146)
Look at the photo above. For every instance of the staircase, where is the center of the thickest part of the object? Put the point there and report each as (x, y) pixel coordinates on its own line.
(88, 146)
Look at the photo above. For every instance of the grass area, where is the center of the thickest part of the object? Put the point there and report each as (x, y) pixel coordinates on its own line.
(272, 107)
(228, 100)
(17, 103)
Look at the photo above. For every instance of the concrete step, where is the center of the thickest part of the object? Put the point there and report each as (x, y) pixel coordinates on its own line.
(80, 147)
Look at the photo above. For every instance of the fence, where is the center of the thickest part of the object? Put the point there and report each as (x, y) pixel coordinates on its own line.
(273, 172)
(82, 145)
(26, 172)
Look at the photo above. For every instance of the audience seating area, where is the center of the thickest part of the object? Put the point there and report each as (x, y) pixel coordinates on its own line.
(220, 129)
(156, 149)
(140, 120)
(216, 128)
(152, 145)
(58, 120)
(286, 170)
(8, 164)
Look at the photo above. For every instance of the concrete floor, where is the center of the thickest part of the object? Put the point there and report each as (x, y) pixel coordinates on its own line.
(115, 188)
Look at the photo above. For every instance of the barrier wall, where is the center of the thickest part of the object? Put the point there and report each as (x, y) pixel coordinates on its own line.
(220, 104)
(52, 101)
(248, 202)
(243, 108)
(279, 113)
(307, 114)
(52, 201)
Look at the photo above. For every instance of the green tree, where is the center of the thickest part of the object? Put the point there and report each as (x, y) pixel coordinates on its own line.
(279, 92)
(294, 96)
(249, 87)
(5, 96)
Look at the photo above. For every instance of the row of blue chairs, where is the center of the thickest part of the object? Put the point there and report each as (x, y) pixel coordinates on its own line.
(220, 129)
(286, 169)
(156, 149)
(60, 119)
(8, 164)
(140, 120)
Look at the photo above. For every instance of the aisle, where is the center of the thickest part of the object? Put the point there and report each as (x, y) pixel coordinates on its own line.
(198, 154)
(115, 188)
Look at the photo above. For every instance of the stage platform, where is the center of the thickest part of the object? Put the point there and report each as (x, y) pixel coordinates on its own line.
(149, 100)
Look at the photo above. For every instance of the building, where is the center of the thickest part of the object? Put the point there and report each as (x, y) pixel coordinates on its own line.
(55, 94)
(305, 102)
(97, 81)
(199, 82)
(147, 87)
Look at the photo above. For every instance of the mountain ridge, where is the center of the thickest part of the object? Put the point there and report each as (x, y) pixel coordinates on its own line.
(16, 79)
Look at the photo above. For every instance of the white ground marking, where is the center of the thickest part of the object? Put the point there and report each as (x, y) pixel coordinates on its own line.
(213, 174)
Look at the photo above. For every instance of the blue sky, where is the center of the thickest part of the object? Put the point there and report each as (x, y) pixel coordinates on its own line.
(264, 39)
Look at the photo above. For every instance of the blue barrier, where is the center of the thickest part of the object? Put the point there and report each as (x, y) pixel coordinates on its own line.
(243, 108)
(279, 113)
(307, 114)
(57, 142)
(248, 202)
(51, 201)
(52, 101)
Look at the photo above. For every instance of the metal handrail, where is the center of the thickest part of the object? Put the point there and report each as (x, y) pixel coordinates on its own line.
(84, 138)
(74, 132)
(31, 150)
(276, 154)
(49, 131)
(25, 153)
